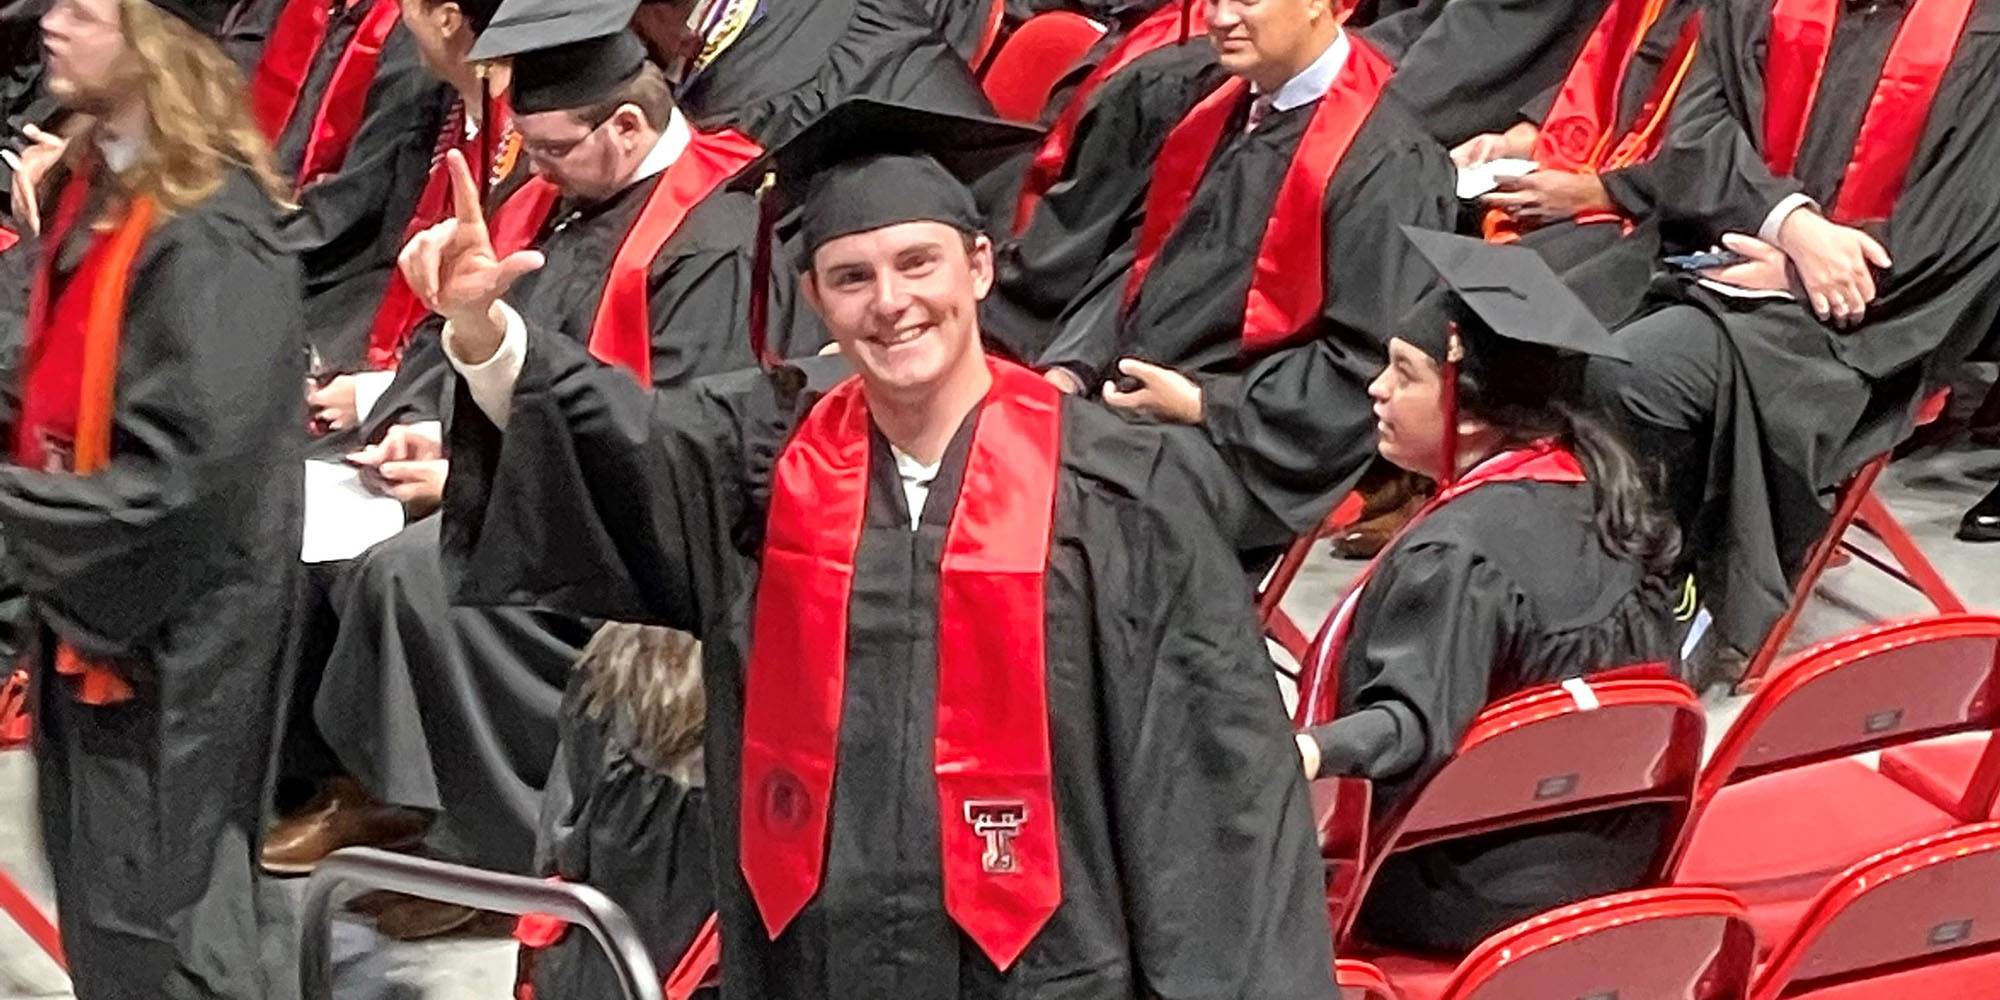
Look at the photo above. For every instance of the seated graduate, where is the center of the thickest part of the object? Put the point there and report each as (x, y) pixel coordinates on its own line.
(1469, 66)
(1594, 138)
(1853, 175)
(1083, 194)
(1268, 272)
(624, 810)
(1541, 559)
(642, 259)
(887, 821)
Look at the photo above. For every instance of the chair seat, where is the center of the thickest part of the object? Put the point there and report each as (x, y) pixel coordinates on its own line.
(1776, 840)
(1936, 769)
(1976, 978)
(1415, 977)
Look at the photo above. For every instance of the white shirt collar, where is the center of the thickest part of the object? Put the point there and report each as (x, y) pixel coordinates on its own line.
(672, 143)
(1315, 80)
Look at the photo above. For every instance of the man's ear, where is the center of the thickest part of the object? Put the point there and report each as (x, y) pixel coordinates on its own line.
(981, 262)
(450, 19)
(809, 290)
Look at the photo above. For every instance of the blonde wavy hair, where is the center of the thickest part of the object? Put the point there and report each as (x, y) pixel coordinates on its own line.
(652, 677)
(198, 122)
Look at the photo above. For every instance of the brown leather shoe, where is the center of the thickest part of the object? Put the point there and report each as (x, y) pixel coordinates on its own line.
(343, 814)
(412, 919)
(1367, 539)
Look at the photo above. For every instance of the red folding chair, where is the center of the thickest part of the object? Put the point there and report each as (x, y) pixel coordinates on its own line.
(1785, 804)
(1920, 921)
(700, 967)
(1856, 505)
(1279, 626)
(1682, 943)
(1519, 765)
(1959, 774)
(14, 901)
(1034, 58)
(1361, 981)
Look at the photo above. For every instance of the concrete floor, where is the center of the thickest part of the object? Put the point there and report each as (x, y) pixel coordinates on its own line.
(1927, 490)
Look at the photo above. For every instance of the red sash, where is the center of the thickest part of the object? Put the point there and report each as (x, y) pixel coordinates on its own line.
(1578, 133)
(288, 57)
(7, 239)
(1287, 288)
(1158, 30)
(1545, 462)
(70, 375)
(996, 807)
(399, 312)
(1801, 35)
(621, 331)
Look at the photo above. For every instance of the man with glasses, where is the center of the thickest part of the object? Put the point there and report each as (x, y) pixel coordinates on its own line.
(638, 255)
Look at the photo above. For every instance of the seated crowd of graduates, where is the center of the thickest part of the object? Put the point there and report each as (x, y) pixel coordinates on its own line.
(712, 346)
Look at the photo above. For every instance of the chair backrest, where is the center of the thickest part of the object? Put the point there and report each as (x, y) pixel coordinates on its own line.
(1030, 62)
(1932, 900)
(989, 35)
(1678, 943)
(1583, 746)
(1360, 981)
(1875, 687)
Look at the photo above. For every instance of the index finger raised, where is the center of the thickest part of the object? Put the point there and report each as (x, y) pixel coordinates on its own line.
(464, 190)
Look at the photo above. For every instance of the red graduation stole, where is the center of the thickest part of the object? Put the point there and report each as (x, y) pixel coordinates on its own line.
(8, 238)
(1286, 290)
(1801, 34)
(1542, 462)
(399, 312)
(288, 56)
(621, 332)
(1577, 134)
(996, 805)
(70, 375)
(1158, 30)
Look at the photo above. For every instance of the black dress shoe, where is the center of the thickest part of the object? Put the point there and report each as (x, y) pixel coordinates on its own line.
(1982, 522)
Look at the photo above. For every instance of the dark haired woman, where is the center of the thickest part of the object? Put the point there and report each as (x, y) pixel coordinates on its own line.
(1542, 559)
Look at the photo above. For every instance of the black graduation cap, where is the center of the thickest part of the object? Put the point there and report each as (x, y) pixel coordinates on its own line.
(567, 53)
(866, 164)
(1507, 291)
(205, 16)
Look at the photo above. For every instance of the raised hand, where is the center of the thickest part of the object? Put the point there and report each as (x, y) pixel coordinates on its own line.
(455, 272)
(1834, 263)
(30, 166)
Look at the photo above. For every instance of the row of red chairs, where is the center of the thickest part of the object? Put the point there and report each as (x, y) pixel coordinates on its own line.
(1788, 802)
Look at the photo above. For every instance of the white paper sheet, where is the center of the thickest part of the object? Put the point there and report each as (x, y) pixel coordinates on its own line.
(342, 517)
(1476, 181)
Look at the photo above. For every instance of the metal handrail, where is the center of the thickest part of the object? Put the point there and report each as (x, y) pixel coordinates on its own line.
(472, 887)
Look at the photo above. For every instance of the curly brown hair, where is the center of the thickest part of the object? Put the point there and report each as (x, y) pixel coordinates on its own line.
(198, 123)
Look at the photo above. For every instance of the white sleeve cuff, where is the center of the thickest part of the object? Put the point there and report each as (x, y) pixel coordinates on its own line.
(1790, 203)
(368, 390)
(491, 382)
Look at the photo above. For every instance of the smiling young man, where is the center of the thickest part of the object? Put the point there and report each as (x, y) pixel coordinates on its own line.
(989, 714)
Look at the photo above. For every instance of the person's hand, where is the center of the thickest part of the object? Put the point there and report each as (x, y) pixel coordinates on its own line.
(31, 166)
(409, 462)
(332, 404)
(1547, 196)
(454, 271)
(1833, 263)
(1163, 393)
(1517, 142)
(1765, 271)
(1308, 755)
(1064, 379)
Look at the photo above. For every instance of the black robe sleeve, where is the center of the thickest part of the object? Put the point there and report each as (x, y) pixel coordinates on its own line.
(210, 329)
(1297, 425)
(606, 499)
(1203, 767)
(1476, 63)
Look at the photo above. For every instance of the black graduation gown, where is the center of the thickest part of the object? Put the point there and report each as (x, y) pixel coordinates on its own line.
(961, 23)
(350, 224)
(632, 826)
(800, 57)
(1097, 205)
(454, 709)
(1189, 868)
(1294, 424)
(1469, 66)
(1607, 267)
(1502, 589)
(177, 561)
(1796, 405)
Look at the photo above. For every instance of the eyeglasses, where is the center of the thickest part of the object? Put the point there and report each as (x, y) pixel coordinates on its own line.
(550, 152)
